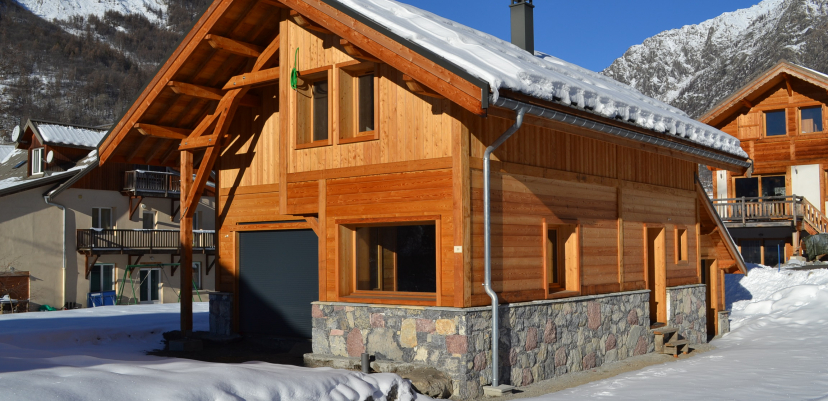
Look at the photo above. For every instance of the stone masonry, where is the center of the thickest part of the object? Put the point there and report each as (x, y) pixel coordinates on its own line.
(686, 311)
(221, 313)
(538, 340)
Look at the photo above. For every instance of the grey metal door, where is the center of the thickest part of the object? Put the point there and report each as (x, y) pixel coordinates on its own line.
(278, 279)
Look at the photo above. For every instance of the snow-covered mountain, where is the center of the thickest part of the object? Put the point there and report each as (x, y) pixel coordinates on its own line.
(695, 66)
(65, 9)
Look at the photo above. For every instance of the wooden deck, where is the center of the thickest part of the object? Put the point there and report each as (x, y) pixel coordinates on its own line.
(152, 184)
(771, 211)
(102, 242)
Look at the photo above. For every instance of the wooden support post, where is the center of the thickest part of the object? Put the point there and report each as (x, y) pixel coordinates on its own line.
(90, 261)
(134, 208)
(186, 246)
(210, 265)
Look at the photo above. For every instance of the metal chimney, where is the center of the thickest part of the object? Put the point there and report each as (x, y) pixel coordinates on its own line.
(523, 24)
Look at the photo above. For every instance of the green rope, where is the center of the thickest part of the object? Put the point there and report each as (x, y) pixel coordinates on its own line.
(294, 73)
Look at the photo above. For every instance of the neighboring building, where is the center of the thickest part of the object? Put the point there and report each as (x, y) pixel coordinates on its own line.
(358, 187)
(117, 215)
(780, 118)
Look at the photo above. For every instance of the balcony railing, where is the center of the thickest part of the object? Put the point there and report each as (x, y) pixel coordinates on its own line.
(149, 241)
(792, 208)
(152, 183)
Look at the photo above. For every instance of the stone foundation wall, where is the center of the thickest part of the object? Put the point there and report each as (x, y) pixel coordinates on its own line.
(686, 311)
(538, 340)
(221, 313)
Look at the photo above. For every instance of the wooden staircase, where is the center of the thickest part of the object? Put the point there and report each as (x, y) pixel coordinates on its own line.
(667, 341)
(814, 221)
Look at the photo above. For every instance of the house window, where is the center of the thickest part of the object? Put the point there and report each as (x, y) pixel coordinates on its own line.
(811, 119)
(357, 101)
(102, 218)
(775, 124)
(197, 220)
(313, 106)
(197, 275)
(148, 220)
(391, 258)
(37, 161)
(561, 257)
(150, 286)
(767, 186)
(751, 250)
(681, 245)
(101, 278)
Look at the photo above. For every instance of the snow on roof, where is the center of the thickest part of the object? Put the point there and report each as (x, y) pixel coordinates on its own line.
(62, 134)
(12, 178)
(820, 74)
(6, 151)
(507, 67)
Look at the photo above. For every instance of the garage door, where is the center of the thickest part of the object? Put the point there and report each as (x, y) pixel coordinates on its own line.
(278, 279)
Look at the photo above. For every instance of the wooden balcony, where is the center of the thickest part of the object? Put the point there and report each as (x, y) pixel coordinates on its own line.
(140, 242)
(771, 211)
(152, 184)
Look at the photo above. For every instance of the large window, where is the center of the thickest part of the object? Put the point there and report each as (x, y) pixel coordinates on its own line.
(769, 252)
(561, 257)
(391, 257)
(811, 119)
(357, 101)
(102, 218)
(775, 124)
(313, 109)
(101, 278)
(756, 186)
(37, 161)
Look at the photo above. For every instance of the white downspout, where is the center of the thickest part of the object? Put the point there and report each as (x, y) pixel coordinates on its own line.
(487, 233)
(63, 254)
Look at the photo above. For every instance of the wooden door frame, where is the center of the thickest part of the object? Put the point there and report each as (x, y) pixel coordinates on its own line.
(658, 289)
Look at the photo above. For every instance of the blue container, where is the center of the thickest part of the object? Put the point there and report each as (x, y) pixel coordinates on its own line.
(106, 298)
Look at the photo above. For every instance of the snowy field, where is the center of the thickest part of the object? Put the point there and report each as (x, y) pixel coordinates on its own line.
(775, 351)
(98, 354)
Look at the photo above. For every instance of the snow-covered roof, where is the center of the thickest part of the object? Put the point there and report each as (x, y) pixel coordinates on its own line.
(507, 67)
(13, 172)
(5, 151)
(68, 135)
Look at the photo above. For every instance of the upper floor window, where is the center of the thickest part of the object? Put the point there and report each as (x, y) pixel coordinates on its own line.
(811, 119)
(357, 101)
(37, 161)
(102, 218)
(148, 220)
(313, 109)
(197, 221)
(775, 124)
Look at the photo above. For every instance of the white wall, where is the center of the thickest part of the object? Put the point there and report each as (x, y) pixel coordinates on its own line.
(721, 184)
(805, 182)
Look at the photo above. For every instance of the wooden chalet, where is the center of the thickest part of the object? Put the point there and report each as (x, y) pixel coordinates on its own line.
(357, 184)
(780, 118)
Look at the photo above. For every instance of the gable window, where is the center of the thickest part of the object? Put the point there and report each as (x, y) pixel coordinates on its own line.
(775, 124)
(37, 161)
(357, 99)
(391, 257)
(313, 110)
(681, 245)
(101, 278)
(561, 257)
(102, 218)
(811, 119)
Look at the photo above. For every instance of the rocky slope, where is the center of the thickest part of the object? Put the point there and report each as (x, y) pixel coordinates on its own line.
(696, 66)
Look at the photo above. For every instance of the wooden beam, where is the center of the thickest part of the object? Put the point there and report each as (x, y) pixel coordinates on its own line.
(205, 92)
(269, 54)
(300, 20)
(356, 52)
(154, 152)
(314, 223)
(234, 46)
(788, 84)
(747, 103)
(134, 208)
(210, 266)
(420, 89)
(253, 78)
(273, 3)
(90, 261)
(202, 142)
(158, 131)
(137, 148)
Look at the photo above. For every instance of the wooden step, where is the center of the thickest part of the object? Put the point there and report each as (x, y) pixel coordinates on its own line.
(674, 347)
(664, 330)
(676, 343)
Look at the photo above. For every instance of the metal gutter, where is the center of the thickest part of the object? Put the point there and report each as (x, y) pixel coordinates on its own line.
(616, 131)
(63, 253)
(487, 235)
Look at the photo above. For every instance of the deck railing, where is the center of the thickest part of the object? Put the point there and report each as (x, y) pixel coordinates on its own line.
(152, 182)
(149, 240)
(771, 208)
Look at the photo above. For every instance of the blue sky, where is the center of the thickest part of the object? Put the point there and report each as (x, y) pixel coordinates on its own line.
(590, 33)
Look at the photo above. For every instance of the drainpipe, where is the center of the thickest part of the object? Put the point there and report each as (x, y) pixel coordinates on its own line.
(63, 254)
(487, 233)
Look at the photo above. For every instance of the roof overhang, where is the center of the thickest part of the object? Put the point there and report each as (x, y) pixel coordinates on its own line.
(741, 98)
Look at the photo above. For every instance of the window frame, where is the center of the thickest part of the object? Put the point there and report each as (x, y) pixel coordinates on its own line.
(345, 250)
(681, 246)
(572, 282)
(765, 124)
(309, 77)
(354, 70)
(799, 119)
(111, 218)
(37, 156)
(144, 221)
(101, 283)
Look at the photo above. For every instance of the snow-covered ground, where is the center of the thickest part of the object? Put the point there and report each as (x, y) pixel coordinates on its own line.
(775, 351)
(98, 354)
